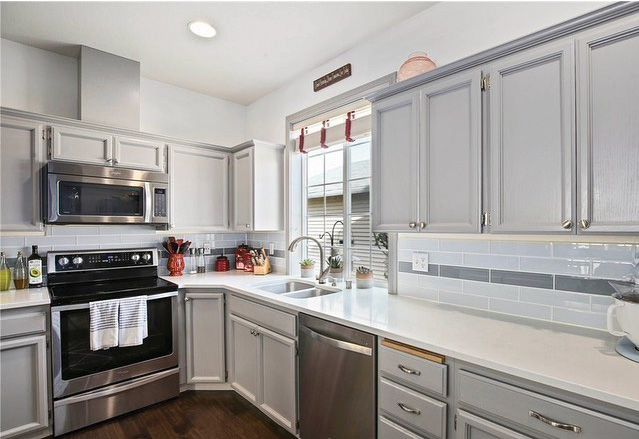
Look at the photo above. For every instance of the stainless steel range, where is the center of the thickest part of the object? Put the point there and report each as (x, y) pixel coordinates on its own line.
(92, 386)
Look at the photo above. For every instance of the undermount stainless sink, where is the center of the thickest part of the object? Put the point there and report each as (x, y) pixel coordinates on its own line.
(296, 289)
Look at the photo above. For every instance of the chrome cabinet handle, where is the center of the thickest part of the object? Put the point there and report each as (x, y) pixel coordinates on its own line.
(248, 226)
(109, 160)
(422, 224)
(254, 332)
(116, 161)
(408, 371)
(584, 223)
(561, 426)
(186, 299)
(412, 224)
(409, 409)
(567, 224)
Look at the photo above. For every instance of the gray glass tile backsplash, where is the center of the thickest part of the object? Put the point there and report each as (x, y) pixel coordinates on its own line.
(559, 281)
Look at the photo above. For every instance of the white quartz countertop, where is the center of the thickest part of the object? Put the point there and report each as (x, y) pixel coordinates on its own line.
(20, 298)
(570, 358)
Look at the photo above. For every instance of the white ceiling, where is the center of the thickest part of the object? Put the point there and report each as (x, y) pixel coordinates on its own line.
(258, 48)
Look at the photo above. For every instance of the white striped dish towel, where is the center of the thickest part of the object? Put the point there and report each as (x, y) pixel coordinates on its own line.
(103, 324)
(133, 326)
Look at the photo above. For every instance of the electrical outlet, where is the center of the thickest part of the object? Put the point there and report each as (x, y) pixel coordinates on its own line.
(207, 247)
(271, 248)
(420, 261)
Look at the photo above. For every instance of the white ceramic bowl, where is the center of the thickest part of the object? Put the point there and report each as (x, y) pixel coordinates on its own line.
(623, 319)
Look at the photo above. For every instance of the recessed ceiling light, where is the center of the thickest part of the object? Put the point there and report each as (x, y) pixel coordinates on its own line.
(202, 29)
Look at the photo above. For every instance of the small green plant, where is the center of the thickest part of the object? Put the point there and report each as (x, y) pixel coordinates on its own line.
(307, 263)
(363, 270)
(335, 262)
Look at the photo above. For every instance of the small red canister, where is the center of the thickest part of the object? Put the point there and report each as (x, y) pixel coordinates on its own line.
(222, 263)
(242, 255)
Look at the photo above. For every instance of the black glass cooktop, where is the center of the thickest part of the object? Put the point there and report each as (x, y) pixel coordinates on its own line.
(83, 292)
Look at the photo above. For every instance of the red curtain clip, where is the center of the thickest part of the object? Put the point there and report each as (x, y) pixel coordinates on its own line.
(301, 144)
(347, 129)
(323, 135)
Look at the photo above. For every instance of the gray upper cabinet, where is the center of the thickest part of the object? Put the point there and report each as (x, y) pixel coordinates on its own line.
(242, 193)
(129, 152)
(21, 157)
(450, 154)
(395, 163)
(199, 181)
(608, 102)
(532, 141)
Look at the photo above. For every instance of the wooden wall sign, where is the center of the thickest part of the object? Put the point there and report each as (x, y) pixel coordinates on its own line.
(333, 77)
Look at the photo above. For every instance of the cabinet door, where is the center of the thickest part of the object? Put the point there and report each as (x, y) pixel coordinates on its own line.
(204, 337)
(139, 154)
(199, 189)
(450, 155)
(608, 102)
(81, 146)
(395, 163)
(531, 141)
(473, 427)
(243, 190)
(24, 400)
(277, 381)
(21, 157)
(244, 365)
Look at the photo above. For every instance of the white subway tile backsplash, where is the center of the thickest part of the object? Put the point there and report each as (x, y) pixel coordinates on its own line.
(440, 283)
(407, 278)
(611, 269)
(100, 239)
(127, 230)
(464, 246)
(11, 241)
(460, 299)
(555, 266)
(600, 304)
(579, 318)
(521, 248)
(487, 289)
(444, 258)
(49, 240)
(555, 298)
(418, 244)
(418, 292)
(609, 252)
(491, 261)
(521, 309)
(72, 230)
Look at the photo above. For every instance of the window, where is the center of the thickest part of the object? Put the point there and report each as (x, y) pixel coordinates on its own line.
(338, 209)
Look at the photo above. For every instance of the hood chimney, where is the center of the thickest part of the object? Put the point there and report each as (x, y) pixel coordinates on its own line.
(109, 89)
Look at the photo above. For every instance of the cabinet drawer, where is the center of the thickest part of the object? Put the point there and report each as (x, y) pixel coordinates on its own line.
(18, 322)
(387, 429)
(270, 318)
(424, 374)
(415, 409)
(536, 411)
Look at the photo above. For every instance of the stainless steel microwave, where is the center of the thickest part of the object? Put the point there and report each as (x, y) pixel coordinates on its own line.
(85, 194)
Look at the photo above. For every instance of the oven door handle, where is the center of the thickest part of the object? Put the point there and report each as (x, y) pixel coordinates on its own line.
(86, 305)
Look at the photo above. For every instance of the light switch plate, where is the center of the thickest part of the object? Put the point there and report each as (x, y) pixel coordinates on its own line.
(420, 261)
(207, 248)
(271, 248)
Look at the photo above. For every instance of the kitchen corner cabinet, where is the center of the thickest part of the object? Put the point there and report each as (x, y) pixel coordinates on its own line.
(22, 156)
(199, 181)
(79, 145)
(263, 357)
(257, 170)
(608, 134)
(427, 158)
(24, 400)
(204, 320)
(532, 141)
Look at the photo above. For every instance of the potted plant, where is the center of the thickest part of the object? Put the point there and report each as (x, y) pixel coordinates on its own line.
(336, 265)
(364, 277)
(308, 268)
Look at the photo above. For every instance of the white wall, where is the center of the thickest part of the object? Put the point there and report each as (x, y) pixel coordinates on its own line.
(44, 82)
(38, 81)
(448, 31)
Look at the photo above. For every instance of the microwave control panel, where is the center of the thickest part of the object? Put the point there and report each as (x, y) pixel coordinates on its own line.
(159, 202)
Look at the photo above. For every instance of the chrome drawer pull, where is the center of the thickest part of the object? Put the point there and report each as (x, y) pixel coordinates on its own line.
(542, 418)
(408, 371)
(408, 409)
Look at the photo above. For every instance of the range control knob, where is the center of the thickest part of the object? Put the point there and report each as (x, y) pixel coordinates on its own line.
(78, 260)
(63, 261)
(135, 257)
(146, 257)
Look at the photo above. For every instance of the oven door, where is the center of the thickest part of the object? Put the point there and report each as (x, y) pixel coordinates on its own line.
(81, 199)
(76, 368)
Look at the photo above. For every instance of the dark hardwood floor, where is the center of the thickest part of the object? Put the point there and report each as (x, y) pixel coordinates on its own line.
(193, 415)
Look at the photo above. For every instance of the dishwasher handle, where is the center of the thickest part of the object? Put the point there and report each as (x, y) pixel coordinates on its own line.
(340, 344)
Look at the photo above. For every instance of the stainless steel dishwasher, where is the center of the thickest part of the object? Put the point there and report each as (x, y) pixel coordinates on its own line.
(337, 381)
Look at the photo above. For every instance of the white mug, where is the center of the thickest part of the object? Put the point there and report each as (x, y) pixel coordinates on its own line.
(623, 320)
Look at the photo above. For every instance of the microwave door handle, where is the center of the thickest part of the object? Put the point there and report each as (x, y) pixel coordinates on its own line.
(148, 202)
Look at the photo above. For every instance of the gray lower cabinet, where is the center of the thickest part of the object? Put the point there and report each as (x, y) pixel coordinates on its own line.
(608, 134)
(21, 157)
(263, 359)
(532, 141)
(470, 426)
(204, 320)
(24, 374)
